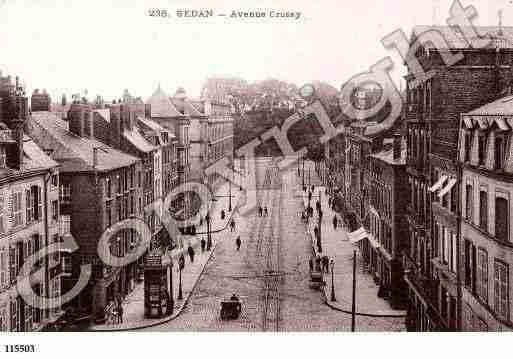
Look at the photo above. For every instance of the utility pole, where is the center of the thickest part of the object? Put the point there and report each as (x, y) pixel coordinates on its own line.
(353, 306)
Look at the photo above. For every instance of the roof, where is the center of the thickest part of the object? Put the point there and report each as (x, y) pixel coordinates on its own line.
(75, 153)
(502, 36)
(154, 126)
(103, 112)
(34, 157)
(138, 140)
(388, 155)
(502, 106)
(161, 105)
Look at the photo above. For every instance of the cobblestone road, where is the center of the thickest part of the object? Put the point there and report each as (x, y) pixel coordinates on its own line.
(269, 273)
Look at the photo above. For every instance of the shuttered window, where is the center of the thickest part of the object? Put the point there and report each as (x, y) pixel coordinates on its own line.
(501, 288)
(17, 213)
(482, 275)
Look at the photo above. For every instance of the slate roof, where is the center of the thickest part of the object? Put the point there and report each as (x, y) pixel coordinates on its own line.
(503, 106)
(74, 153)
(388, 155)
(502, 36)
(138, 140)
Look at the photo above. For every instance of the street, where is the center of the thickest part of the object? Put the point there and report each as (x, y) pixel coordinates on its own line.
(270, 273)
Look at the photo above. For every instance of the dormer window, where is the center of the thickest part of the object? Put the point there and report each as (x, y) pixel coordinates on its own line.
(499, 150)
(481, 149)
(3, 157)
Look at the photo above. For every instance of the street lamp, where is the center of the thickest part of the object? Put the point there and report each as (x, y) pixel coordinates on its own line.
(181, 264)
(304, 188)
(333, 299)
(230, 199)
(209, 236)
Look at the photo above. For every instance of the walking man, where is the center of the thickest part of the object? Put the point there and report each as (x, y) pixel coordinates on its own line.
(190, 251)
(232, 225)
(238, 242)
(335, 222)
(265, 211)
(260, 210)
(120, 314)
(203, 244)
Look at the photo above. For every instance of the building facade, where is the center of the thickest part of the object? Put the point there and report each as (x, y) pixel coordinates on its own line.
(29, 219)
(99, 186)
(486, 233)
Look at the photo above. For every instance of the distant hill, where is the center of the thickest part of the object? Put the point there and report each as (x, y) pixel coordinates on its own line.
(304, 133)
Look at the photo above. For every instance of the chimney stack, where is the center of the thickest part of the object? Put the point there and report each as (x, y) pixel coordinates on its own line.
(397, 146)
(81, 120)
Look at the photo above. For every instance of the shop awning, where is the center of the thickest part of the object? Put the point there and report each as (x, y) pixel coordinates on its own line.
(447, 188)
(469, 124)
(501, 124)
(358, 235)
(438, 184)
(483, 123)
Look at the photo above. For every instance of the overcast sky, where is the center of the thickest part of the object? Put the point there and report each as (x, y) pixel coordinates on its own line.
(107, 46)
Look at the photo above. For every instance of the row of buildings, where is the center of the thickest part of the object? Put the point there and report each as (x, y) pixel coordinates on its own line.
(429, 195)
(72, 171)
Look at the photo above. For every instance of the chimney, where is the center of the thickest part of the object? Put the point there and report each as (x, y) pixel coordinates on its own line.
(81, 120)
(397, 146)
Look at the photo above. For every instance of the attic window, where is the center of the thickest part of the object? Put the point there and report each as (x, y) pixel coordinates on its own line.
(3, 158)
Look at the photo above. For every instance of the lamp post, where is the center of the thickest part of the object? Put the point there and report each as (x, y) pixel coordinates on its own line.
(230, 194)
(333, 299)
(304, 188)
(209, 237)
(181, 264)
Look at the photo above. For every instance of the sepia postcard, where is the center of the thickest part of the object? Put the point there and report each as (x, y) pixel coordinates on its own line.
(258, 166)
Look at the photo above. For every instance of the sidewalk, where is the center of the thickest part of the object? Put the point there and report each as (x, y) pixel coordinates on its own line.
(335, 244)
(133, 305)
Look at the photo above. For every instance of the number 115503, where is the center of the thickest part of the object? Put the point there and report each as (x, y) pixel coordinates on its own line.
(20, 348)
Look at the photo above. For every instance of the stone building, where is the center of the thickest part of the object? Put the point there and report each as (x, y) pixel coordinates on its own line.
(29, 219)
(486, 159)
(432, 114)
(99, 186)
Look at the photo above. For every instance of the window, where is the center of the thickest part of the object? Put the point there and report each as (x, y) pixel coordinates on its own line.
(16, 209)
(2, 215)
(55, 210)
(55, 180)
(65, 224)
(3, 267)
(3, 157)
(108, 188)
(482, 275)
(65, 195)
(483, 210)
(467, 272)
(468, 145)
(108, 212)
(445, 245)
(501, 219)
(481, 149)
(452, 262)
(454, 198)
(501, 288)
(120, 184)
(468, 202)
(499, 152)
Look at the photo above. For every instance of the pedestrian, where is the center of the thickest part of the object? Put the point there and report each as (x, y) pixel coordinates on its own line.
(190, 251)
(325, 264)
(265, 211)
(309, 196)
(317, 264)
(223, 214)
(329, 202)
(238, 242)
(311, 263)
(260, 211)
(120, 314)
(232, 225)
(318, 205)
(335, 222)
(313, 188)
(201, 221)
(203, 244)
